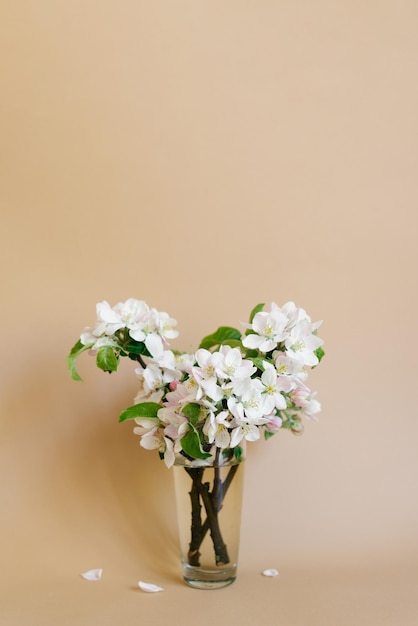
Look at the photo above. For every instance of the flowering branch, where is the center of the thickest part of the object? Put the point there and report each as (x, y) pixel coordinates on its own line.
(201, 490)
(212, 508)
(202, 407)
(233, 388)
(196, 525)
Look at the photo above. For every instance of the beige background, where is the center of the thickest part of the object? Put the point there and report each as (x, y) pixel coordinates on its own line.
(206, 156)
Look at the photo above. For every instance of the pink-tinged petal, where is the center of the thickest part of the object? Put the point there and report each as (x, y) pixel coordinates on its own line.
(150, 441)
(169, 456)
(275, 422)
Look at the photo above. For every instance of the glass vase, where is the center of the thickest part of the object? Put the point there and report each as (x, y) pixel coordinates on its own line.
(208, 502)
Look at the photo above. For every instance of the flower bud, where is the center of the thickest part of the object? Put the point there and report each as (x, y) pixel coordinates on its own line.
(297, 427)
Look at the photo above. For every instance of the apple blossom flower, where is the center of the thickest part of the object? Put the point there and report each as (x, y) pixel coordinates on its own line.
(269, 329)
(87, 338)
(129, 314)
(143, 324)
(251, 399)
(207, 362)
(296, 315)
(175, 365)
(303, 398)
(165, 325)
(180, 396)
(274, 386)
(205, 374)
(216, 429)
(250, 432)
(236, 408)
(152, 384)
(150, 440)
(230, 364)
(235, 392)
(154, 328)
(286, 364)
(153, 438)
(273, 424)
(148, 430)
(302, 343)
(177, 427)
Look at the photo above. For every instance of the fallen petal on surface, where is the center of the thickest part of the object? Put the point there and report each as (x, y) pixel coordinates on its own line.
(148, 587)
(93, 574)
(270, 572)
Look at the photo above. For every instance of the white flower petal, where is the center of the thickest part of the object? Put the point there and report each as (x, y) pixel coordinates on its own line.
(154, 345)
(270, 572)
(148, 587)
(92, 574)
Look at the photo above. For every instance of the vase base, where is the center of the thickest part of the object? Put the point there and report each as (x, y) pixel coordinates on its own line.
(209, 579)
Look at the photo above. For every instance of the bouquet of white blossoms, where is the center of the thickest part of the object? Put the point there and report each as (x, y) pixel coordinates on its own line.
(233, 388)
(198, 409)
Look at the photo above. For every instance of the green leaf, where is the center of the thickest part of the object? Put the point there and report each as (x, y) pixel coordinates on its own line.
(258, 362)
(319, 353)
(144, 409)
(192, 412)
(238, 453)
(76, 350)
(234, 343)
(106, 359)
(136, 347)
(250, 354)
(256, 310)
(223, 335)
(191, 445)
(267, 434)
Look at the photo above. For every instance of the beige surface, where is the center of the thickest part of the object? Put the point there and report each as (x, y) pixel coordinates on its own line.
(206, 156)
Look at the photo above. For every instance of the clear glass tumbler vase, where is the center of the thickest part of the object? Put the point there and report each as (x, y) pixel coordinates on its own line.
(209, 502)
